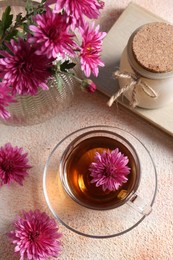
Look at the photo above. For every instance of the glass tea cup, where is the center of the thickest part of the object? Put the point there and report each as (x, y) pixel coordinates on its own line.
(75, 174)
(77, 203)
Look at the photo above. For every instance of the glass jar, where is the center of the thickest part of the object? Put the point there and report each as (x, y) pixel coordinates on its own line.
(146, 66)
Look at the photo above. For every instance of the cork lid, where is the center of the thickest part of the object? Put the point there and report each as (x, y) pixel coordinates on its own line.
(152, 47)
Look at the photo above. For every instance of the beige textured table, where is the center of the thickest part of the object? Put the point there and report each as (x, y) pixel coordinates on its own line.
(153, 238)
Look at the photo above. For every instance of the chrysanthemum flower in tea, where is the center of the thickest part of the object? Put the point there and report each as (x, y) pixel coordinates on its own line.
(109, 169)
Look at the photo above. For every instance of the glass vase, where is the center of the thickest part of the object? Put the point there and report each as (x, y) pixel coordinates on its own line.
(29, 110)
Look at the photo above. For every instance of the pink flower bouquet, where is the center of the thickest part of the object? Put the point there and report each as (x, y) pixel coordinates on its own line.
(44, 43)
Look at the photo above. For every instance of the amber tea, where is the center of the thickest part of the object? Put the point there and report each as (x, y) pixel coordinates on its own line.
(76, 177)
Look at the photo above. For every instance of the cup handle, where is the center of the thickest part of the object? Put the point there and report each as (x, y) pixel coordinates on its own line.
(139, 205)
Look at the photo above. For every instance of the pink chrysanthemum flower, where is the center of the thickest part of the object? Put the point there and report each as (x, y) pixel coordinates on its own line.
(5, 100)
(77, 8)
(13, 164)
(109, 170)
(22, 69)
(52, 33)
(35, 236)
(90, 49)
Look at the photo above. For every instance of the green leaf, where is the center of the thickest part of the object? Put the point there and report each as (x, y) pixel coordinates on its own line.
(6, 21)
(29, 6)
(66, 65)
(19, 18)
(11, 35)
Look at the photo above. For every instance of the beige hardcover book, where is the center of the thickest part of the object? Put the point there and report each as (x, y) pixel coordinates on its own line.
(113, 46)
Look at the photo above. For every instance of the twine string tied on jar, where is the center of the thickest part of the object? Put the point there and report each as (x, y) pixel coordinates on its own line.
(135, 81)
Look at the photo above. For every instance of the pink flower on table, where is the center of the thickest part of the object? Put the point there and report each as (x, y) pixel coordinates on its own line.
(52, 33)
(78, 8)
(109, 170)
(5, 100)
(92, 41)
(13, 164)
(22, 69)
(35, 236)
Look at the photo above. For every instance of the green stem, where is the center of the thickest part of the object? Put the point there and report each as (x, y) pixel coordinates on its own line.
(71, 74)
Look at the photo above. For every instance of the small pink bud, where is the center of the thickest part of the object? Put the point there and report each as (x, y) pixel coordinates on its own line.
(89, 85)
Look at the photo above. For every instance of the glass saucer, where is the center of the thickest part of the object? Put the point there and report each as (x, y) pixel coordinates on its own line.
(89, 222)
